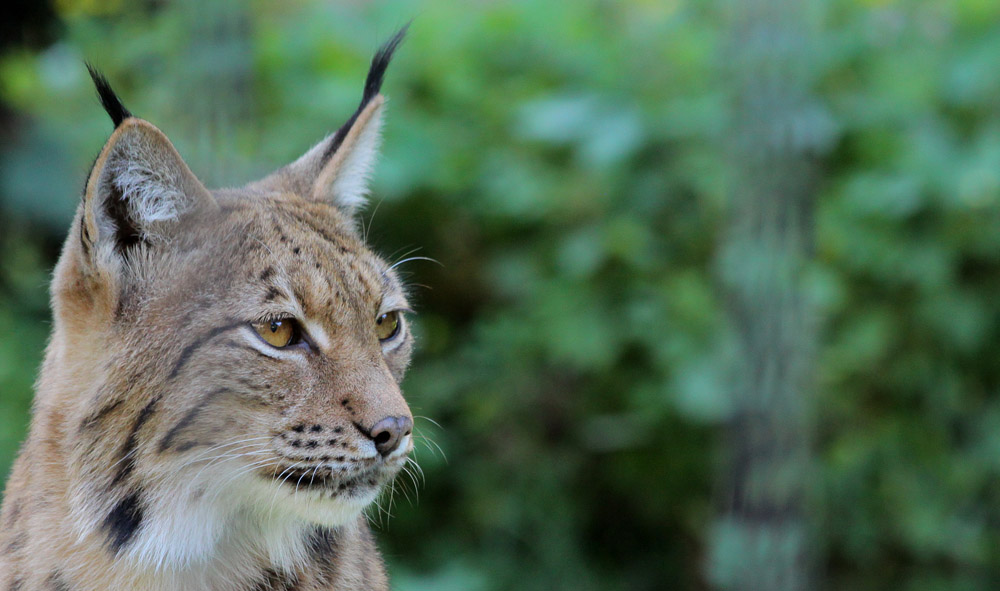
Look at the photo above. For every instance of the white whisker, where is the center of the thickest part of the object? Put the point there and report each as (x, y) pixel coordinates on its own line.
(406, 260)
(429, 420)
(253, 466)
(277, 489)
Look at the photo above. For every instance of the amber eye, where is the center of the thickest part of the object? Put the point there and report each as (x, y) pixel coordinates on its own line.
(278, 333)
(387, 325)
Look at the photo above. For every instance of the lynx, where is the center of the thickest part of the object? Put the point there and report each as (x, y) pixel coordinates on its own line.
(220, 399)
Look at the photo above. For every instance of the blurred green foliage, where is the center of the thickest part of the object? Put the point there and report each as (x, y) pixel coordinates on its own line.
(563, 161)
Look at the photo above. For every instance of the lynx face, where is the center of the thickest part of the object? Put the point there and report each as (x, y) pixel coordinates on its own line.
(224, 371)
(274, 344)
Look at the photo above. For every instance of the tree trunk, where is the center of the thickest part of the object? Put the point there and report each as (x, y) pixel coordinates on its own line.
(761, 539)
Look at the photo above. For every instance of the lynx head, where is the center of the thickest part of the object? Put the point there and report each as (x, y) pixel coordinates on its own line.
(226, 359)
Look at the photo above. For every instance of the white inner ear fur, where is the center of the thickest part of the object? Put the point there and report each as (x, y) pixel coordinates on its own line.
(151, 182)
(345, 178)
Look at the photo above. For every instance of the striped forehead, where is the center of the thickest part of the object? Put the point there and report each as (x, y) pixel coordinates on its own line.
(313, 257)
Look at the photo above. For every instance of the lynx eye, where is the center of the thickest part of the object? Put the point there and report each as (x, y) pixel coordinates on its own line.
(387, 325)
(278, 333)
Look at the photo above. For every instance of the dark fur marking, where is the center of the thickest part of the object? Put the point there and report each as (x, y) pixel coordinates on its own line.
(189, 350)
(16, 543)
(310, 223)
(247, 382)
(98, 416)
(14, 514)
(273, 580)
(364, 281)
(123, 522)
(189, 418)
(323, 544)
(373, 84)
(267, 273)
(109, 100)
(84, 238)
(129, 449)
(299, 296)
(272, 293)
(335, 240)
(55, 582)
(125, 297)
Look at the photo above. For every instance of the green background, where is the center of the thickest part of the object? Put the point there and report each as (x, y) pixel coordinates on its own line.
(566, 163)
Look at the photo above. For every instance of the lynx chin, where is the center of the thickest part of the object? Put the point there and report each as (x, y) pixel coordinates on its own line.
(219, 400)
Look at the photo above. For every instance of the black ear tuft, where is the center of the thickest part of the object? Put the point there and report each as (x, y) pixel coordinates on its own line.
(373, 84)
(112, 104)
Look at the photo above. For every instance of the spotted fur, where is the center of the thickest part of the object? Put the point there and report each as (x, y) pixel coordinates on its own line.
(171, 447)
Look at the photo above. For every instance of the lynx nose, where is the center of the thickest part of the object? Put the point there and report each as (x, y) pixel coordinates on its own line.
(389, 432)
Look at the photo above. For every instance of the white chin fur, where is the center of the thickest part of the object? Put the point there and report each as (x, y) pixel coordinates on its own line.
(308, 506)
(184, 530)
(329, 512)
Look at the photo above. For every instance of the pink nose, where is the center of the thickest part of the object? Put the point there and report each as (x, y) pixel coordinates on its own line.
(389, 432)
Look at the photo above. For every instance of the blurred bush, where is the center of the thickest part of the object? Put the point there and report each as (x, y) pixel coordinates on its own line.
(563, 162)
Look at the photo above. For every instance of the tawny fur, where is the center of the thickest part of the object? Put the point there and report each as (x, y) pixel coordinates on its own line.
(171, 447)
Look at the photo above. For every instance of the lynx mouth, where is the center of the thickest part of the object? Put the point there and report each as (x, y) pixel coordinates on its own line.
(333, 481)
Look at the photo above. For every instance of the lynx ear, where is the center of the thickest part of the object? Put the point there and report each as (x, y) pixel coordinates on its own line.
(347, 162)
(337, 169)
(139, 186)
